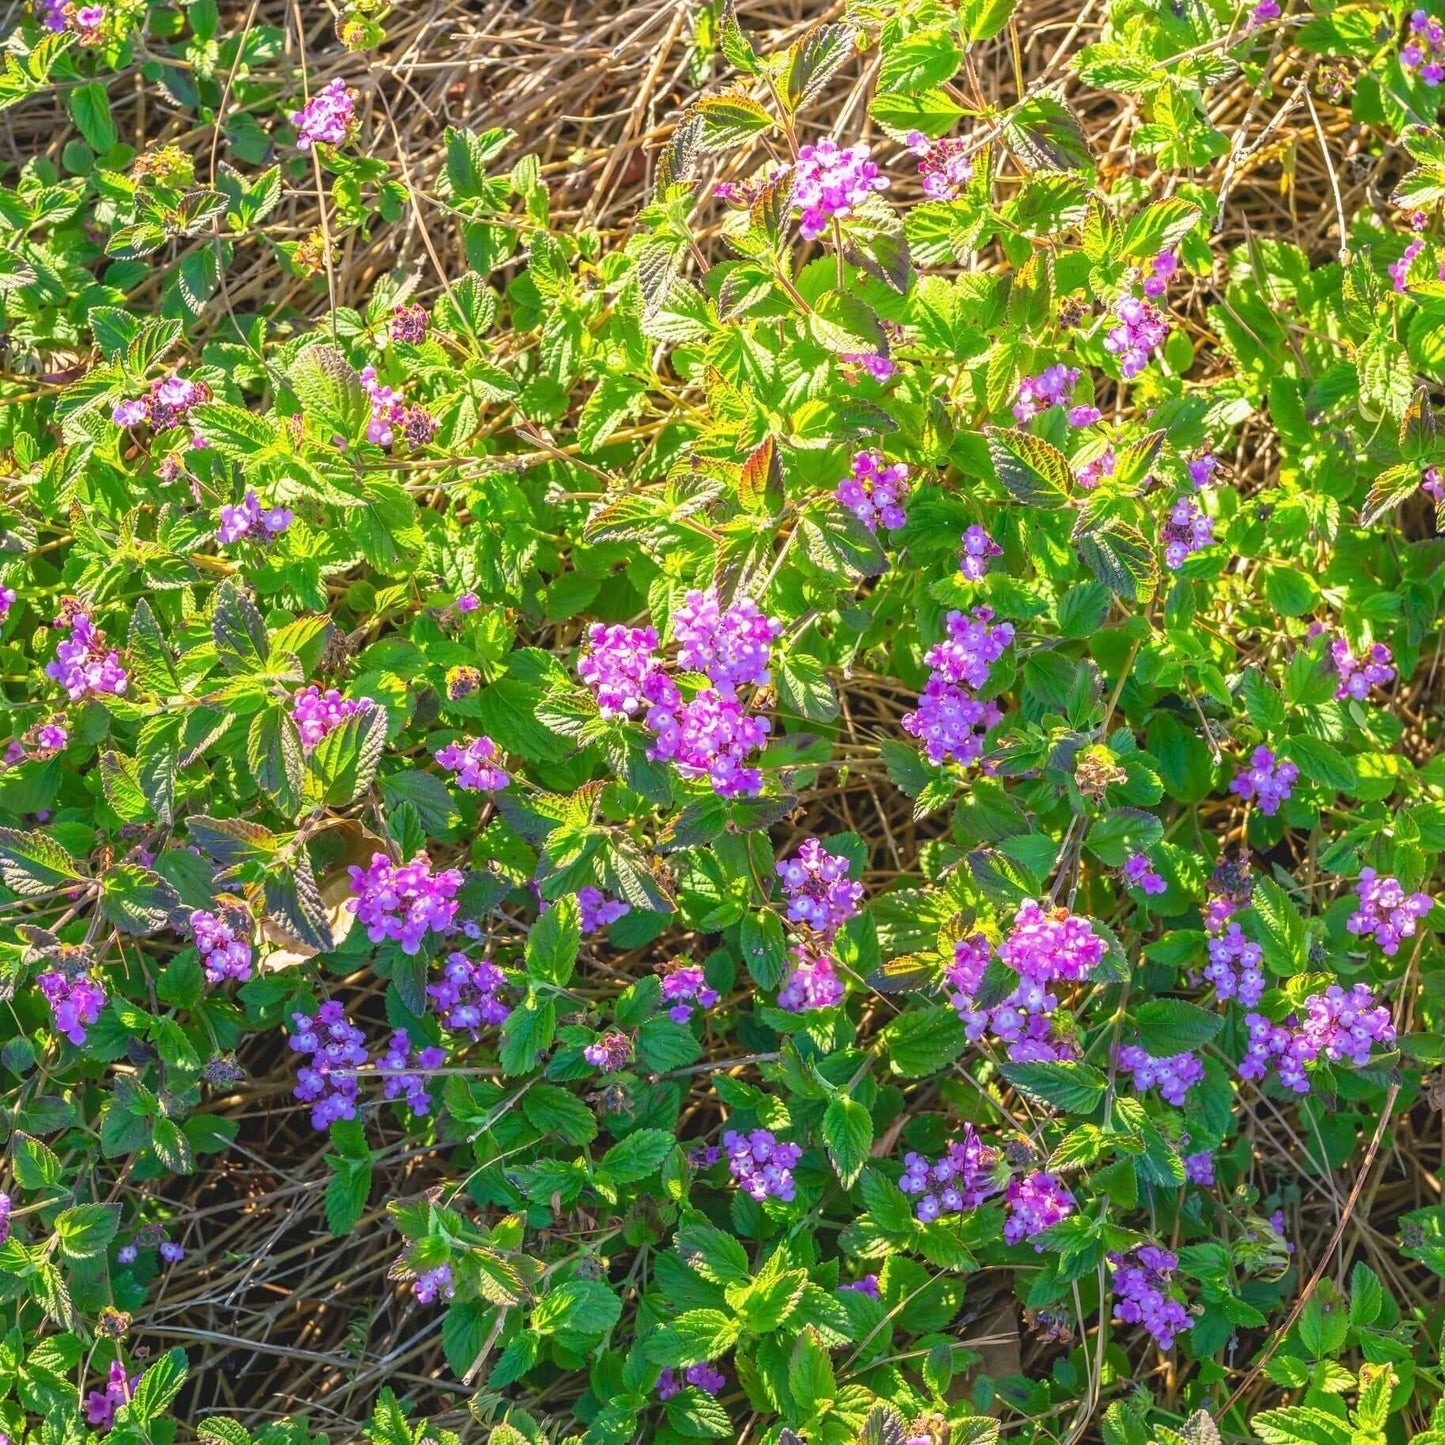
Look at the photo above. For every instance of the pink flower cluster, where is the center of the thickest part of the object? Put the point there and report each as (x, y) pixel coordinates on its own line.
(760, 1165)
(1375, 668)
(683, 985)
(1385, 912)
(820, 894)
(1043, 948)
(433, 1282)
(978, 548)
(101, 1405)
(1335, 1025)
(944, 165)
(404, 1070)
(465, 996)
(813, 983)
(1141, 1282)
(1093, 471)
(409, 323)
(598, 911)
(1188, 530)
(1269, 782)
(875, 363)
(75, 998)
(1054, 386)
(1173, 1076)
(337, 1049)
(1234, 967)
(1156, 279)
(704, 1376)
(1139, 873)
(711, 735)
(326, 117)
(166, 405)
(249, 519)
(1035, 1202)
(1202, 469)
(1424, 48)
(400, 902)
(611, 1052)
(623, 670)
(829, 182)
(1139, 329)
(5, 1208)
(83, 665)
(874, 492)
(962, 1177)
(318, 713)
(1399, 271)
(388, 409)
(733, 647)
(475, 764)
(224, 953)
(949, 720)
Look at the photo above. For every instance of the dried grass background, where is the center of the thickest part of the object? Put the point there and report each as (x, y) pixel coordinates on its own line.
(276, 1316)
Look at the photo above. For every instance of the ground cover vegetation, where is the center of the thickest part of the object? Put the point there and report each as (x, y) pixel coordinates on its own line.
(721, 721)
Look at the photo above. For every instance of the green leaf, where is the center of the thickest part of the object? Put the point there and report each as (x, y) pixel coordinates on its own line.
(343, 764)
(810, 1374)
(1122, 559)
(238, 631)
(85, 1230)
(553, 941)
(693, 1337)
(637, 1156)
(1159, 227)
(920, 61)
(924, 1041)
(137, 900)
(528, 1031)
(1285, 945)
(155, 1390)
(90, 106)
(273, 753)
(1034, 472)
(35, 1163)
(1169, 1026)
(1068, 1085)
(33, 864)
(848, 1134)
(555, 1111)
(579, 1307)
(729, 120)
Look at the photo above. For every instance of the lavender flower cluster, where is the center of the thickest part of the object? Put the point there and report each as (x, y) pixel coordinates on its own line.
(1141, 1283)
(830, 182)
(402, 902)
(1044, 947)
(962, 1177)
(760, 1165)
(1336, 1025)
(1036, 1201)
(466, 995)
(475, 764)
(250, 519)
(949, 720)
(1385, 912)
(83, 665)
(224, 952)
(1268, 781)
(1424, 48)
(874, 492)
(711, 735)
